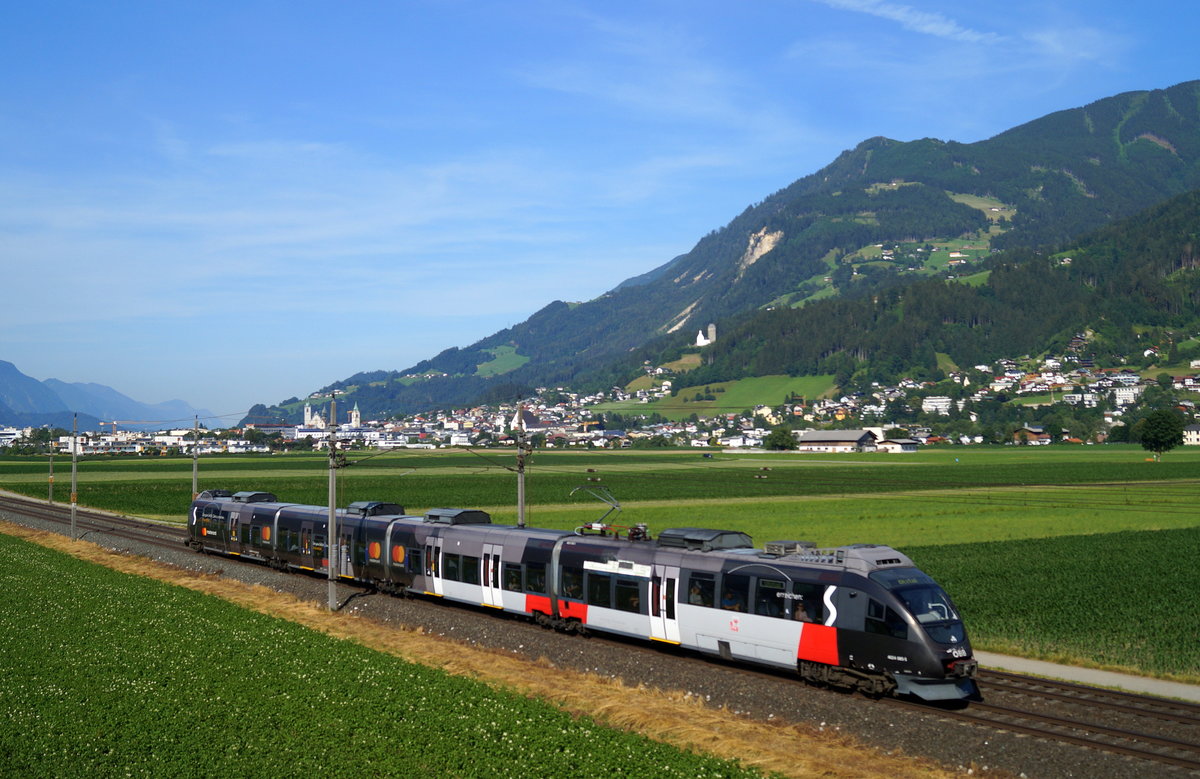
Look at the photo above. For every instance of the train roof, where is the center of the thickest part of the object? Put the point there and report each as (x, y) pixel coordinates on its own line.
(860, 558)
(374, 508)
(704, 539)
(458, 517)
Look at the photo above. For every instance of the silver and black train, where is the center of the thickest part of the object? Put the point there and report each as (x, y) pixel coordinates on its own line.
(860, 616)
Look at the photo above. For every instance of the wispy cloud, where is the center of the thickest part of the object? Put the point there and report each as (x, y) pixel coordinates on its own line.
(653, 69)
(915, 20)
(1077, 45)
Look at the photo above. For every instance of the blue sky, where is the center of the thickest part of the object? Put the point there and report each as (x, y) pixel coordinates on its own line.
(237, 202)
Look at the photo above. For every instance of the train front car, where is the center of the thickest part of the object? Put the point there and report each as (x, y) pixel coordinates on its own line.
(910, 632)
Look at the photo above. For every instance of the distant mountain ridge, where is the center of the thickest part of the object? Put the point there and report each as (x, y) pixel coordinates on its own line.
(25, 401)
(1055, 178)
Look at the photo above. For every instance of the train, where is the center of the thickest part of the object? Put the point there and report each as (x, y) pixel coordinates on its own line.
(860, 616)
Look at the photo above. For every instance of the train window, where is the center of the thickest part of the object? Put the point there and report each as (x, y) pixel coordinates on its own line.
(535, 578)
(807, 603)
(670, 598)
(572, 583)
(701, 587)
(734, 589)
(450, 566)
(768, 598)
(512, 577)
(629, 596)
(884, 621)
(414, 560)
(470, 569)
(245, 534)
(318, 546)
(256, 535)
(599, 589)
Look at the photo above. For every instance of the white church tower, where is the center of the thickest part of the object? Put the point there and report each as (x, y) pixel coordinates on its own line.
(313, 420)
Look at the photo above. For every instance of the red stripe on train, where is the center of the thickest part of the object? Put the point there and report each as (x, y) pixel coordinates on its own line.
(818, 643)
(572, 610)
(536, 603)
(566, 609)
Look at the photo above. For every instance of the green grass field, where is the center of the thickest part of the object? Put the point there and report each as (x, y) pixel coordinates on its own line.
(119, 675)
(994, 505)
(504, 359)
(730, 396)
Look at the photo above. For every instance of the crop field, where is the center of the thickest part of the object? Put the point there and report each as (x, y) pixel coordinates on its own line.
(995, 479)
(122, 675)
(992, 510)
(1122, 600)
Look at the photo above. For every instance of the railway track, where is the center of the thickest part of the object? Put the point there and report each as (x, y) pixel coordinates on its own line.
(88, 522)
(1160, 732)
(1181, 712)
(1157, 730)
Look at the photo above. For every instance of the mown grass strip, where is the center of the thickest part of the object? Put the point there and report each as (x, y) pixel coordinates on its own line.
(120, 674)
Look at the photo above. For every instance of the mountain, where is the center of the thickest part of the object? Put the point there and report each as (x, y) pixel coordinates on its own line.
(108, 404)
(1127, 288)
(1041, 184)
(25, 401)
(22, 394)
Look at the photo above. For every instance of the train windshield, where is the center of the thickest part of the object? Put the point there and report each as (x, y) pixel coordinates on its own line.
(928, 602)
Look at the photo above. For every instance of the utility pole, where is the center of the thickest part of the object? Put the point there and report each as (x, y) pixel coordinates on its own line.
(196, 458)
(74, 470)
(334, 559)
(522, 452)
(51, 473)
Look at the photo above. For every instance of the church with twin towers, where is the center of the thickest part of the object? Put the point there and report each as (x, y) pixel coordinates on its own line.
(314, 420)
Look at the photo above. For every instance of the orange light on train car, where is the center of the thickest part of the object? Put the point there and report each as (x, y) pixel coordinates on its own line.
(373, 550)
(266, 533)
(397, 554)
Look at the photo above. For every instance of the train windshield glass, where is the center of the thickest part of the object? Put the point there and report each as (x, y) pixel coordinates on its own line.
(928, 602)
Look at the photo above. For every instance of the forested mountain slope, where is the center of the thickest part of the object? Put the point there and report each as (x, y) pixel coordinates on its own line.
(1052, 179)
(1126, 287)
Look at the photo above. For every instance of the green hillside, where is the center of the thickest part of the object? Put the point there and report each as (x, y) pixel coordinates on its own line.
(885, 221)
(1132, 285)
(728, 397)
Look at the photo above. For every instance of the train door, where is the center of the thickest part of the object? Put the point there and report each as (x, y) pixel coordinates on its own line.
(663, 585)
(306, 545)
(492, 591)
(345, 553)
(231, 534)
(433, 564)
